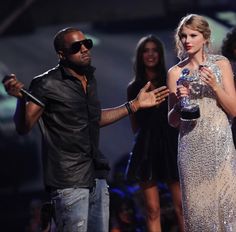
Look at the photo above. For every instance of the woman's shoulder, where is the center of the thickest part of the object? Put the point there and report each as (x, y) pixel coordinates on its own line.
(175, 70)
(217, 58)
(134, 86)
(178, 67)
(221, 61)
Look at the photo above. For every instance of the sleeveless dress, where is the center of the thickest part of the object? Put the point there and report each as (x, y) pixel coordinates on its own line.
(154, 152)
(207, 162)
(233, 65)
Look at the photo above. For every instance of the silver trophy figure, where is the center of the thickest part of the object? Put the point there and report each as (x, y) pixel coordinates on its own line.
(189, 111)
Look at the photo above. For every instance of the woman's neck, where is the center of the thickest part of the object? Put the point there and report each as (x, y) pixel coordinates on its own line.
(150, 74)
(194, 61)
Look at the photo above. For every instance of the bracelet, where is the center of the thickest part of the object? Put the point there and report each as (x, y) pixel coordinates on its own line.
(127, 105)
(133, 108)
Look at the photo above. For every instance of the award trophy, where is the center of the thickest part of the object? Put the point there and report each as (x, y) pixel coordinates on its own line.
(189, 111)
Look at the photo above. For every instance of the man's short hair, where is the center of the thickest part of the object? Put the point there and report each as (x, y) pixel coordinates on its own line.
(59, 38)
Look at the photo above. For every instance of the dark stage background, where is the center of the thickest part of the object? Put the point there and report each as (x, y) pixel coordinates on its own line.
(27, 28)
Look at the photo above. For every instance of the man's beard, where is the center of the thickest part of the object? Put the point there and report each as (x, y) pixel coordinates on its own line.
(80, 69)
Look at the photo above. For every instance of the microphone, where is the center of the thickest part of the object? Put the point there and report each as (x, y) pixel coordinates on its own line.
(26, 93)
(32, 97)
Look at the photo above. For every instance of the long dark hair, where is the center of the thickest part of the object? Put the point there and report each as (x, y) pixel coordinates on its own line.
(229, 44)
(139, 67)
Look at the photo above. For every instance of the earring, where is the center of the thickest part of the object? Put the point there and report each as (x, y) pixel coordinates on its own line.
(205, 52)
(206, 49)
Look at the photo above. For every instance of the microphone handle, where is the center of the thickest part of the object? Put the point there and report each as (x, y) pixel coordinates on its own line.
(33, 98)
(24, 92)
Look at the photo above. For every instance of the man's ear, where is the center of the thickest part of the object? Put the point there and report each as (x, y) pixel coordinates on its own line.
(61, 55)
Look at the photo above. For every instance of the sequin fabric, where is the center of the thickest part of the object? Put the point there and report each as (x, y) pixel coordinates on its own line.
(207, 162)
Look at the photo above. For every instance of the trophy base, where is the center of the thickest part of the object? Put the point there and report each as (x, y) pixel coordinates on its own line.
(190, 113)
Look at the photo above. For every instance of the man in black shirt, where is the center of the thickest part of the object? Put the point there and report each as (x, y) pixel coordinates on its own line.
(70, 122)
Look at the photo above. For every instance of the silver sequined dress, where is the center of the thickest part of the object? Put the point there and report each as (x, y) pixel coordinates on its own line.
(207, 162)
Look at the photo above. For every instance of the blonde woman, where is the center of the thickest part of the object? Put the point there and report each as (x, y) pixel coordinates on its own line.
(206, 153)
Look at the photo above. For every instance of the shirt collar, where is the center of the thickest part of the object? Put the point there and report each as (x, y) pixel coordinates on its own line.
(88, 71)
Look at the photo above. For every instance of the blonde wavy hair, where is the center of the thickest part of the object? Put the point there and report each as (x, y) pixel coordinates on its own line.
(194, 22)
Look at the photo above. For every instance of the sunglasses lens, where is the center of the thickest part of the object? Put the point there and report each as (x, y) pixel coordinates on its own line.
(88, 43)
(75, 47)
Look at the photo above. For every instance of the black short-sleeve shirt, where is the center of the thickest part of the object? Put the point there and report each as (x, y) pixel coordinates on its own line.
(70, 127)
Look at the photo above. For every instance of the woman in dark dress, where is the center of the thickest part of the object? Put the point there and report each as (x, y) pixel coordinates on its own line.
(154, 154)
(228, 49)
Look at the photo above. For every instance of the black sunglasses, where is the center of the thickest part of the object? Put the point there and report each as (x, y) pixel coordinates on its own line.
(76, 46)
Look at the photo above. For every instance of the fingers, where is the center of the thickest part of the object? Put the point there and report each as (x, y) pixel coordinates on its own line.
(163, 90)
(209, 79)
(161, 93)
(207, 76)
(146, 87)
(8, 78)
(12, 85)
(160, 100)
(182, 91)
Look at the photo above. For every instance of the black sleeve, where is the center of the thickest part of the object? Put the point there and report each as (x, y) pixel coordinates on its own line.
(38, 89)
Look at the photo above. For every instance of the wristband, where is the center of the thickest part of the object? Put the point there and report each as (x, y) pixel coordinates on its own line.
(127, 105)
(132, 106)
